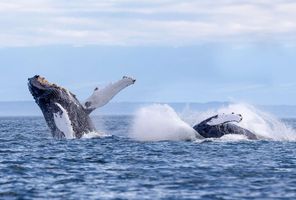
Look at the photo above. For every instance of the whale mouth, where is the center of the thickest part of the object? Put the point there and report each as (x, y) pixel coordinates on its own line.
(40, 87)
(41, 82)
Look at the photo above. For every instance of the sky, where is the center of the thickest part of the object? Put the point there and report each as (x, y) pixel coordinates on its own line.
(179, 51)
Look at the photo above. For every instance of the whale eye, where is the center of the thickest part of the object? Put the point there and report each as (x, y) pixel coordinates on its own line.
(96, 88)
(87, 104)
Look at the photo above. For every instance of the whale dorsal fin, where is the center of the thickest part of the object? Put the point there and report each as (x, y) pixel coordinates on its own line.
(224, 118)
(101, 97)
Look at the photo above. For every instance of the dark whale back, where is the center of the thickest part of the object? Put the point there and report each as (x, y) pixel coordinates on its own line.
(220, 130)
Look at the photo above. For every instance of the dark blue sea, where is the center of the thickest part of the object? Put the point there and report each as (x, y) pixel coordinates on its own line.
(33, 165)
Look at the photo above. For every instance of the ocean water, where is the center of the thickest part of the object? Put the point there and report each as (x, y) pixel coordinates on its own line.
(124, 165)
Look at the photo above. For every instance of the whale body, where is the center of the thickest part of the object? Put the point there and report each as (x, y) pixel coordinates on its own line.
(220, 125)
(65, 116)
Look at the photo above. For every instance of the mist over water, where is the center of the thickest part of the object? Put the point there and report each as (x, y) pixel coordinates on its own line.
(159, 122)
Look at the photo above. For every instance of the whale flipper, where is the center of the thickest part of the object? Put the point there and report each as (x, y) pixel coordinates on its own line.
(219, 125)
(63, 122)
(224, 118)
(101, 97)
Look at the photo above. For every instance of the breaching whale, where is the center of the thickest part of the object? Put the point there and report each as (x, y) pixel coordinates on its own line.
(64, 114)
(220, 125)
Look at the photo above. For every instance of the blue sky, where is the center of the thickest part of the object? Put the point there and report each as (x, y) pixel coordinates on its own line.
(192, 51)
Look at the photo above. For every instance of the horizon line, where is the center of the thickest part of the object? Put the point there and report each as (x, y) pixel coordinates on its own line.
(166, 102)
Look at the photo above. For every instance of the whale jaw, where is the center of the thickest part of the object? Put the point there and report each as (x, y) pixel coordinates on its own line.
(64, 114)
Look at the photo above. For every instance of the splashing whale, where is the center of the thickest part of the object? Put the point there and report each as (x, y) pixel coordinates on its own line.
(64, 114)
(222, 124)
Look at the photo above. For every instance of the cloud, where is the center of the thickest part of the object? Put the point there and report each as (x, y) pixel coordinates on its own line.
(131, 22)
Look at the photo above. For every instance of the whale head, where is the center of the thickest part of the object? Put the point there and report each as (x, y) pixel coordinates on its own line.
(64, 114)
(46, 93)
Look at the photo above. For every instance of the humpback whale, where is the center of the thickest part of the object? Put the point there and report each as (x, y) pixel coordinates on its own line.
(65, 116)
(222, 124)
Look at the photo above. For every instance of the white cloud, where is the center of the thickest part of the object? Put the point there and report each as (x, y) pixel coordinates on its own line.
(131, 22)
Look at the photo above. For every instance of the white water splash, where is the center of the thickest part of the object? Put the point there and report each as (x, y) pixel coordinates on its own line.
(94, 134)
(265, 125)
(161, 122)
(225, 138)
(233, 137)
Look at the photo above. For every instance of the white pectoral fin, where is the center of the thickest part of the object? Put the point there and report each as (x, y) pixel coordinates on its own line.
(101, 97)
(225, 118)
(63, 122)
